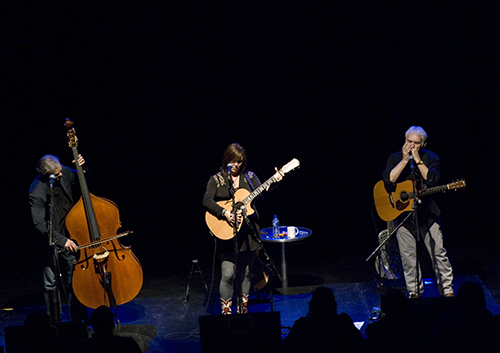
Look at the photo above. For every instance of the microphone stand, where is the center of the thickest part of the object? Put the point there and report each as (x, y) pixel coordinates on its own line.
(416, 201)
(269, 264)
(388, 238)
(55, 300)
(232, 192)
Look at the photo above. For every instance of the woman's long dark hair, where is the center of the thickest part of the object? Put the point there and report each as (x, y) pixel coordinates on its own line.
(234, 152)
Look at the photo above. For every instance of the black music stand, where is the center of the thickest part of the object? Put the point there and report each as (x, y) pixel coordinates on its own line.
(195, 268)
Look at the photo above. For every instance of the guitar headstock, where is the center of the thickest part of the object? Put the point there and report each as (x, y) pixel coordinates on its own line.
(457, 185)
(73, 140)
(294, 163)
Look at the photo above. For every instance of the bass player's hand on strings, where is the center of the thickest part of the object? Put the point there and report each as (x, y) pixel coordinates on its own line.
(81, 161)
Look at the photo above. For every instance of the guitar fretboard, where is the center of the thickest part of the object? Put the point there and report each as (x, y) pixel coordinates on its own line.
(433, 190)
(257, 191)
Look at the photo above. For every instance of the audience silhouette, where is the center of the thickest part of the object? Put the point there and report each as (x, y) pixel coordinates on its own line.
(465, 326)
(459, 325)
(391, 332)
(323, 329)
(39, 334)
(104, 339)
(470, 327)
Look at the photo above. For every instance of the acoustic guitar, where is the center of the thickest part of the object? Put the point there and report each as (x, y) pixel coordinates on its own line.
(390, 205)
(221, 227)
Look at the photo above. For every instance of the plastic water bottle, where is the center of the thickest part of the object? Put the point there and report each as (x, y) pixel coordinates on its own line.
(276, 227)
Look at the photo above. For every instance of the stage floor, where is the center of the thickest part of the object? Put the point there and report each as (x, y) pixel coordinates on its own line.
(168, 323)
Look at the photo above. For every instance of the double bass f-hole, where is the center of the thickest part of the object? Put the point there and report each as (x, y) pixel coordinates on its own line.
(107, 273)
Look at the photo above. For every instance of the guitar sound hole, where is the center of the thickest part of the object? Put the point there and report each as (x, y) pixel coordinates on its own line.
(400, 206)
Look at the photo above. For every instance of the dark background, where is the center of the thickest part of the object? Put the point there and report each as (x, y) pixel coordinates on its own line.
(157, 90)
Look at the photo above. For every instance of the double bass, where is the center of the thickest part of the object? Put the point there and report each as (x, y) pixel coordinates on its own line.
(106, 272)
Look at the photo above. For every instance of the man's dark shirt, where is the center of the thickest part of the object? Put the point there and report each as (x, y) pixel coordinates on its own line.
(66, 193)
(428, 210)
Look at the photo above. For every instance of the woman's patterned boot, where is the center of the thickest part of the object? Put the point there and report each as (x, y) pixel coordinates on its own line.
(226, 306)
(242, 307)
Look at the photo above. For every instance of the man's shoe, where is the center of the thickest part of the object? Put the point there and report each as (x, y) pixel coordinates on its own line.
(449, 295)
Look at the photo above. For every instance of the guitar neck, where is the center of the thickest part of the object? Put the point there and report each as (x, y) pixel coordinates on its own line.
(258, 190)
(433, 190)
(294, 163)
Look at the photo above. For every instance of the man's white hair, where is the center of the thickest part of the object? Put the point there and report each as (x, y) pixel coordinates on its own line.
(419, 131)
(48, 164)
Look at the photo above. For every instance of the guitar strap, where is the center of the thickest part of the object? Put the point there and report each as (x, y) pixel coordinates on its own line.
(247, 177)
(254, 227)
(249, 181)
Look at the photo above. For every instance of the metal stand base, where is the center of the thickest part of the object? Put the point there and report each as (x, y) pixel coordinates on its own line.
(195, 268)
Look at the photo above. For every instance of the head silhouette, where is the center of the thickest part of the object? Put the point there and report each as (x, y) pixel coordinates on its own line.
(102, 320)
(322, 302)
(393, 302)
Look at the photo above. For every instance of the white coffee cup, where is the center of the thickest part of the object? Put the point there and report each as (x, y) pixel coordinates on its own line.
(292, 232)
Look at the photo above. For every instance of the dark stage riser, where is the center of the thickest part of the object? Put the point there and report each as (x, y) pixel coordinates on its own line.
(254, 332)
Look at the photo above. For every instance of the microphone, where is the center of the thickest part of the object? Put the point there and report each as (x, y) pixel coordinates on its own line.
(52, 177)
(244, 211)
(229, 165)
(411, 161)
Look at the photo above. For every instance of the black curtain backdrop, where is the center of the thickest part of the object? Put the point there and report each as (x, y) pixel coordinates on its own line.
(158, 89)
